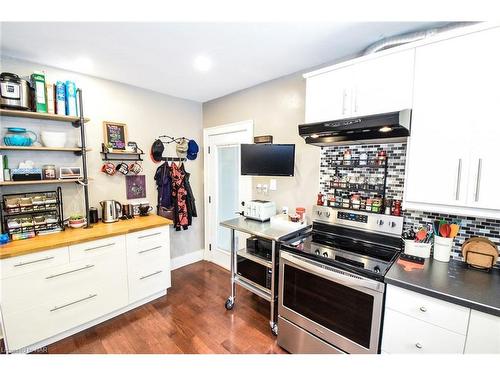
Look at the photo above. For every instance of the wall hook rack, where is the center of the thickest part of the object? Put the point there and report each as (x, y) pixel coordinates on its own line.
(171, 139)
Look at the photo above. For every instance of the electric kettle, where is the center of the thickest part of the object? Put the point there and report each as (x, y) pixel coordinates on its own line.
(111, 211)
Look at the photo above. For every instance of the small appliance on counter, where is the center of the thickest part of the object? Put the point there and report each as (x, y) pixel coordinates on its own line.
(14, 92)
(111, 211)
(259, 210)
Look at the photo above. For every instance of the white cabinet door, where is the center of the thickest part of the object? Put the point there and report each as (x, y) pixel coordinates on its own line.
(484, 129)
(384, 84)
(328, 95)
(483, 336)
(439, 145)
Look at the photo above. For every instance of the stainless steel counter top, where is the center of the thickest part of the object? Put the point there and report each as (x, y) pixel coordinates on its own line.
(454, 282)
(259, 229)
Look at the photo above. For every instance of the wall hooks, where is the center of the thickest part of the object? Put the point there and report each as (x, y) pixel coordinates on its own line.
(171, 139)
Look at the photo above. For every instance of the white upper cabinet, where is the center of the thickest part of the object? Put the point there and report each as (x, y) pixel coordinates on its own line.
(329, 95)
(384, 84)
(453, 148)
(378, 84)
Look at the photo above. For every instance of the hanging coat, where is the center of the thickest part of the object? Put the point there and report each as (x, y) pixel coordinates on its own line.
(164, 186)
(179, 197)
(191, 205)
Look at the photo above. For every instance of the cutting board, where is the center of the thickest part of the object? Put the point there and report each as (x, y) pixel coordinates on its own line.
(482, 253)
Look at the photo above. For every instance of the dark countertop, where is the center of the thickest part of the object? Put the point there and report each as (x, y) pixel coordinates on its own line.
(454, 282)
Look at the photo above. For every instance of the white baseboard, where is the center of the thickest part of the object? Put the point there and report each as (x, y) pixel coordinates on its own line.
(186, 259)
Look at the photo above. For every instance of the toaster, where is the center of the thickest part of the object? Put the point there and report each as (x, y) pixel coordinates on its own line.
(260, 210)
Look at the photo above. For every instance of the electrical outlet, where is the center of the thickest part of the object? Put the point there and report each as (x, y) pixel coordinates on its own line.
(259, 188)
(264, 189)
(273, 185)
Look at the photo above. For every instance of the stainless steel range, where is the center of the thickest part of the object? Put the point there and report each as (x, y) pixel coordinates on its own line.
(331, 282)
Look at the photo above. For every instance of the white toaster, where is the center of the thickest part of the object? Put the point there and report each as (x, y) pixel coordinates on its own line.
(260, 210)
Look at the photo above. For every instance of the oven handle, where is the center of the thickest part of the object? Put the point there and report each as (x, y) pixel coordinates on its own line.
(330, 273)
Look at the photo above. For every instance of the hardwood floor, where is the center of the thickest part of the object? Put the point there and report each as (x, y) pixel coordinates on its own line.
(190, 319)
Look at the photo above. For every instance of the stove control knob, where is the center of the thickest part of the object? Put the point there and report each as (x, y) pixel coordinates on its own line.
(376, 269)
(316, 252)
(380, 222)
(392, 224)
(325, 254)
(327, 214)
(319, 213)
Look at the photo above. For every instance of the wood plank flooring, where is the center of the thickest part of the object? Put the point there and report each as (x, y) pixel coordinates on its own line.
(190, 319)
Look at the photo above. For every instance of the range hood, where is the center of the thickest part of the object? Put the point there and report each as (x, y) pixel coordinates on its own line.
(390, 127)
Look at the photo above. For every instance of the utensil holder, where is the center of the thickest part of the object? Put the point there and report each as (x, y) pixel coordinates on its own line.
(418, 249)
(442, 248)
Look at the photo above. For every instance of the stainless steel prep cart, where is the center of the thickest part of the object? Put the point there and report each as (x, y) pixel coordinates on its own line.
(262, 230)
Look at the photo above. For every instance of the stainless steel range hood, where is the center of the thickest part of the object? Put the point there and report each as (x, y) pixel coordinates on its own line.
(390, 127)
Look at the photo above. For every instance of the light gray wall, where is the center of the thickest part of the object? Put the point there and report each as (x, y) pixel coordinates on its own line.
(276, 107)
(147, 114)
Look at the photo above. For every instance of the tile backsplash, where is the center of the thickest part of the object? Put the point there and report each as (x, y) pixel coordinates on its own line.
(396, 153)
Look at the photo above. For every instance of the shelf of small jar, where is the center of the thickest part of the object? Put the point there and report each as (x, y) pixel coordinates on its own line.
(375, 164)
(360, 210)
(354, 188)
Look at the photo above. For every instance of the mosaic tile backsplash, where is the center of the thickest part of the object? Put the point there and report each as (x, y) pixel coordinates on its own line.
(396, 153)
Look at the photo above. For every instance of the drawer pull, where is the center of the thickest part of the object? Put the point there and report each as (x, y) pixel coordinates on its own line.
(33, 261)
(149, 235)
(67, 272)
(100, 247)
(151, 274)
(423, 309)
(153, 248)
(418, 345)
(72, 303)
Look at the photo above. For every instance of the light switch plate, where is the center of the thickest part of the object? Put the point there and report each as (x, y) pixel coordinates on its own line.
(272, 184)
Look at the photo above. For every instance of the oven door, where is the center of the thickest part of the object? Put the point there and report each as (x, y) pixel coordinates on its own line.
(340, 307)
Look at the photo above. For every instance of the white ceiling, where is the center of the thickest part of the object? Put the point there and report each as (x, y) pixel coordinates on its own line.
(159, 56)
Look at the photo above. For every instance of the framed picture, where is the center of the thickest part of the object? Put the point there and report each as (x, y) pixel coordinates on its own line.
(115, 135)
(136, 186)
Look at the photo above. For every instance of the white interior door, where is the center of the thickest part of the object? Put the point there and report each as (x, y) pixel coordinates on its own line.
(225, 188)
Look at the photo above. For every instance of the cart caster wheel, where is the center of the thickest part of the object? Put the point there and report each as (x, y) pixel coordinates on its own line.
(229, 304)
(274, 329)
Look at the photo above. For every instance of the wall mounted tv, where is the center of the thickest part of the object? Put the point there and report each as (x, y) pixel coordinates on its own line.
(267, 159)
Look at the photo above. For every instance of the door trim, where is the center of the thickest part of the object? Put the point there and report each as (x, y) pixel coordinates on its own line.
(234, 127)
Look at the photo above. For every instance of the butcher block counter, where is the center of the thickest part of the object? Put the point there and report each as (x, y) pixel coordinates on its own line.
(75, 236)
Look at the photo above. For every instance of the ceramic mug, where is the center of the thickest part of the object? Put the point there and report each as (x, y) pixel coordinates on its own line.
(108, 168)
(135, 168)
(122, 168)
(145, 209)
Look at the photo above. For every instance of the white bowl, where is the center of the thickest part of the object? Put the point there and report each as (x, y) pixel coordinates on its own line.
(53, 139)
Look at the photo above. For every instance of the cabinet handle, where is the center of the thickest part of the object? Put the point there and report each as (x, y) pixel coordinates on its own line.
(67, 272)
(478, 179)
(100, 247)
(32, 261)
(356, 100)
(151, 274)
(419, 345)
(149, 235)
(344, 94)
(459, 177)
(423, 309)
(72, 303)
(153, 248)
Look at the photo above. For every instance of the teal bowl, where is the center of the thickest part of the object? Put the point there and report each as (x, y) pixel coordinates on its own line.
(17, 140)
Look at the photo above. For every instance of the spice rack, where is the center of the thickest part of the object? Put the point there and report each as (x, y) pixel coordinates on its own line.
(368, 190)
(25, 215)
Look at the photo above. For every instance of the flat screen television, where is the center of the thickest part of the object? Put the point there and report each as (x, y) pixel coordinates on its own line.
(267, 159)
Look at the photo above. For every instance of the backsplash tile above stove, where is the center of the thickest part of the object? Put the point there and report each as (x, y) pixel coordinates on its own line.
(396, 153)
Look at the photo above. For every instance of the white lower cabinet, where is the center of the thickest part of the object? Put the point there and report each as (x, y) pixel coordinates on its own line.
(483, 336)
(50, 292)
(404, 334)
(416, 323)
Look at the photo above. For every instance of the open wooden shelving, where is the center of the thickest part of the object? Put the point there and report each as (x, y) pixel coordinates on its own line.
(41, 148)
(40, 116)
(38, 182)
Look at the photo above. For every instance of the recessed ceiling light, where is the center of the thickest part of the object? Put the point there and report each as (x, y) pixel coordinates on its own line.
(202, 63)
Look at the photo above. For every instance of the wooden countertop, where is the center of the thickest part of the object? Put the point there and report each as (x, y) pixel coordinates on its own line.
(75, 236)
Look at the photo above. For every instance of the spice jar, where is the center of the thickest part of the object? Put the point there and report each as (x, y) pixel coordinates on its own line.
(369, 202)
(396, 209)
(345, 201)
(49, 172)
(355, 201)
(347, 157)
(381, 157)
(331, 200)
(300, 211)
(362, 203)
(376, 204)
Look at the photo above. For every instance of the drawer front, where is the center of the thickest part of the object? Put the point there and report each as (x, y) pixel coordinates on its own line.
(147, 239)
(46, 320)
(87, 250)
(404, 334)
(23, 264)
(443, 314)
(144, 284)
(57, 283)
